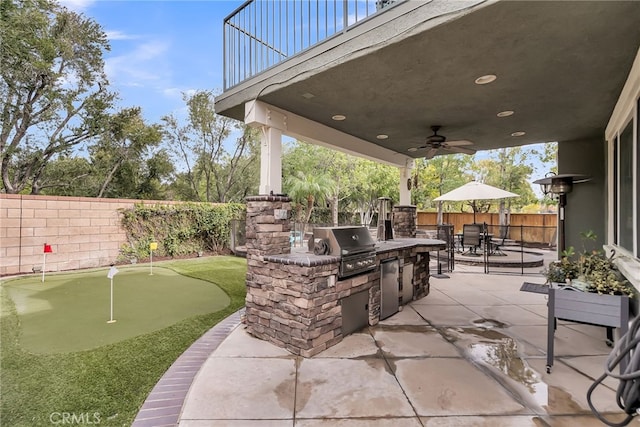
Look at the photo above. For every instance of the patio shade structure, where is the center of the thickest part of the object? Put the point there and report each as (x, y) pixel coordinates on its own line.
(475, 191)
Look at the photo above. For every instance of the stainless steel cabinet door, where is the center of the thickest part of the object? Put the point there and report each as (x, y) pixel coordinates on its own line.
(389, 271)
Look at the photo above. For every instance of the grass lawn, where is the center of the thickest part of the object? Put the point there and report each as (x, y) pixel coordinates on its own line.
(69, 312)
(111, 380)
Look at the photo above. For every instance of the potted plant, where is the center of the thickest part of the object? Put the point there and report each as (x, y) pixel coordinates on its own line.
(587, 288)
(588, 271)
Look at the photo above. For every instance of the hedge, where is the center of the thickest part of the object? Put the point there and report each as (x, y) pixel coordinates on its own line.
(178, 229)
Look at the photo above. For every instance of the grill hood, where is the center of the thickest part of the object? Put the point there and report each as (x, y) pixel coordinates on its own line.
(345, 241)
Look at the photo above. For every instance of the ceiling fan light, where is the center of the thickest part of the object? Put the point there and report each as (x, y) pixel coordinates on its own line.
(412, 149)
(505, 113)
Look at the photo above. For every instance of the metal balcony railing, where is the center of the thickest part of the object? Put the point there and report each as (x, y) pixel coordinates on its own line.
(262, 33)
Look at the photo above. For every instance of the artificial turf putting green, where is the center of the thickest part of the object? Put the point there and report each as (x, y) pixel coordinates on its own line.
(69, 312)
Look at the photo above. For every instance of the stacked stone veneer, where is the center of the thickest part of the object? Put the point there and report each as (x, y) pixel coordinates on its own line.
(295, 303)
(293, 299)
(268, 227)
(405, 221)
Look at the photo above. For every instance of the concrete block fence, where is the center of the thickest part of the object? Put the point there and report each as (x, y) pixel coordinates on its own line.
(83, 232)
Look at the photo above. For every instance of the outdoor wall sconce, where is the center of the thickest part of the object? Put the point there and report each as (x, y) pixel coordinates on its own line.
(560, 185)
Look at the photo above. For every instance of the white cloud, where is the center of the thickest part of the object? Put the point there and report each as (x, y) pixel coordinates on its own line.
(145, 63)
(176, 92)
(145, 69)
(77, 5)
(119, 35)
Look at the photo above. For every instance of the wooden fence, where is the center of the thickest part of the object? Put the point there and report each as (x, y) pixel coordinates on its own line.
(537, 229)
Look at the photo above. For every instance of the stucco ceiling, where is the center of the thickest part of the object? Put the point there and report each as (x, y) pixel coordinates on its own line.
(560, 66)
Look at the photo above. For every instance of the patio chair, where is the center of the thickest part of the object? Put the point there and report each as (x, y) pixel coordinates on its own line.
(496, 243)
(472, 238)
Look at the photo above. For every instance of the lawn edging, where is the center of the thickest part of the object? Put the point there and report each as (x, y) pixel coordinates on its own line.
(164, 403)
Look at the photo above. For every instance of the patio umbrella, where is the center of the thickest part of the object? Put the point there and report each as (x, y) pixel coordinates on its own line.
(475, 191)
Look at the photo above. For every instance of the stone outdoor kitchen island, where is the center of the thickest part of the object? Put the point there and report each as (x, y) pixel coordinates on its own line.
(295, 300)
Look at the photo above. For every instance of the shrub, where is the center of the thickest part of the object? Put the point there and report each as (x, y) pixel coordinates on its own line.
(178, 229)
(591, 271)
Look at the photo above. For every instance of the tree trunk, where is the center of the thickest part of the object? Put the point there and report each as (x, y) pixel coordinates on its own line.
(109, 177)
(440, 212)
(334, 210)
(502, 213)
(310, 200)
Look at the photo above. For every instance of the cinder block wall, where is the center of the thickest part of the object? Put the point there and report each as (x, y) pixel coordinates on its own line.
(83, 232)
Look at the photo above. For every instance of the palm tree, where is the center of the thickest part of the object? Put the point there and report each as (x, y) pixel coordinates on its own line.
(309, 188)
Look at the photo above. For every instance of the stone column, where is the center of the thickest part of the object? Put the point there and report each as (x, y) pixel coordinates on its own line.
(267, 233)
(405, 221)
(268, 227)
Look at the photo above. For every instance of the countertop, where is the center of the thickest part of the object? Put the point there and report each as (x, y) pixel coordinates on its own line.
(302, 257)
(406, 243)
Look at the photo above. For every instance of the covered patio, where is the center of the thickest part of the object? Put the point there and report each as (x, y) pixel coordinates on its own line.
(412, 79)
(496, 74)
(470, 353)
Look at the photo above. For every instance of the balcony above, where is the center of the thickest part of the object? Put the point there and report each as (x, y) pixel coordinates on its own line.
(400, 69)
(260, 34)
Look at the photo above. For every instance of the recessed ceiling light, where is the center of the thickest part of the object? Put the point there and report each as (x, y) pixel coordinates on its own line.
(308, 95)
(505, 113)
(483, 80)
(412, 149)
(519, 133)
(338, 117)
(382, 136)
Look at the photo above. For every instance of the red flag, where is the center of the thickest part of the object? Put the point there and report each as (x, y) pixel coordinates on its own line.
(47, 249)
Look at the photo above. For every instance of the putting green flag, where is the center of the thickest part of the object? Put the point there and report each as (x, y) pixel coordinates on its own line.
(112, 272)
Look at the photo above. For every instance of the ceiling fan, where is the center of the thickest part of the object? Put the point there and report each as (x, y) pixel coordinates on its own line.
(436, 142)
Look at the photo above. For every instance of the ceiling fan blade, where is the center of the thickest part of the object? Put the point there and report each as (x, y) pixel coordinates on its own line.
(463, 150)
(431, 153)
(458, 143)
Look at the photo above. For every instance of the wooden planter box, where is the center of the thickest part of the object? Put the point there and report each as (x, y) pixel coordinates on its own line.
(611, 311)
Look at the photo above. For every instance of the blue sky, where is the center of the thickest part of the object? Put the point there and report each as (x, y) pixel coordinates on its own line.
(160, 49)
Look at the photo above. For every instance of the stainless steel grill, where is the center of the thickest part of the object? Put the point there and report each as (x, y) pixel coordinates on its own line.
(354, 246)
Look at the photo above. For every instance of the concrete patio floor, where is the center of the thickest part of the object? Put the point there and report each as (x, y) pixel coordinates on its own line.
(471, 353)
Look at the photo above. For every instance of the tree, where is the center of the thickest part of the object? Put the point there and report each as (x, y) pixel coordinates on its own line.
(53, 92)
(548, 156)
(68, 176)
(156, 171)
(212, 172)
(127, 139)
(338, 166)
(368, 182)
(509, 169)
(438, 176)
(357, 183)
(310, 188)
